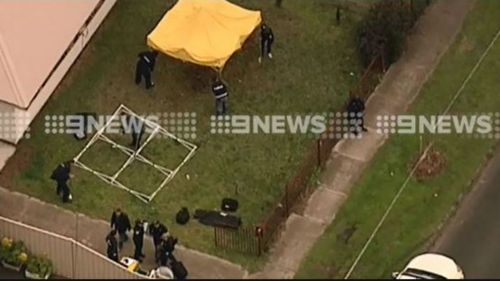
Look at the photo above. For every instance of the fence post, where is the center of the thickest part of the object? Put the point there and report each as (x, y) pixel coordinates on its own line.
(259, 234)
(318, 151)
(74, 249)
(338, 14)
(215, 236)
(286, 199)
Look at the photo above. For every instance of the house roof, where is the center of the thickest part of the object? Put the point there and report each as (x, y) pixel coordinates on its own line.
(34, 34)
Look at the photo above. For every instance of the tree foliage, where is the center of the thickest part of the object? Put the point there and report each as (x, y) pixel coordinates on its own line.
(384, 30)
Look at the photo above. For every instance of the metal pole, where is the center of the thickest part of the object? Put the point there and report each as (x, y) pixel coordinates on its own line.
(215, 236)
(73, 260)
(318, 151)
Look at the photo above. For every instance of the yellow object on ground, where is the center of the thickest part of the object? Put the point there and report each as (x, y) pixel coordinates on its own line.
(131, 264)
(204, 32)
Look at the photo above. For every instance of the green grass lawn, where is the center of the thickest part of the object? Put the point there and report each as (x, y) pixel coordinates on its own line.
(423, 205)
(310, 73)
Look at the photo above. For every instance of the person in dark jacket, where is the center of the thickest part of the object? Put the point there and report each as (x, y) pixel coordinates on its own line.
(219, 90)
(112, 246)
(157, 230)
(355, 109)
(138, 239)
(121, 223)
(61, 174)
(167, 248)
(266, 41)
(144, 68)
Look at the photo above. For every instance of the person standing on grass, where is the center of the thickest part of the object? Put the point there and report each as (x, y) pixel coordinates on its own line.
(266, 41)
(112, 246)
(219, 90)
(138, 239)
(120, 223)
(137, 132)
(144, 68)
(136, 126)
(61, 174)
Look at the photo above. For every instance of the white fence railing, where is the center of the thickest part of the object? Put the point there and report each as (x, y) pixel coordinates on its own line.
(71, 258)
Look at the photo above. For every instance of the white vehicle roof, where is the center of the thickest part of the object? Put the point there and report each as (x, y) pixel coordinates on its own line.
(436, 264)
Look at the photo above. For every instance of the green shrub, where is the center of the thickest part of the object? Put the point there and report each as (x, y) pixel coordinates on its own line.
(384, 30)
(5, 247)
(39, 265)
(17, 255)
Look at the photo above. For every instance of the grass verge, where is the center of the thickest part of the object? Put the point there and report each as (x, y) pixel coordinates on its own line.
(423, 205)
(310, 72)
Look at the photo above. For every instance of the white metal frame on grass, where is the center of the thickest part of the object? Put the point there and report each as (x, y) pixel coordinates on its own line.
(135, 154)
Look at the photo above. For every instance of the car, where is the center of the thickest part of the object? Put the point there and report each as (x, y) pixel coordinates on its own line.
(430, 266)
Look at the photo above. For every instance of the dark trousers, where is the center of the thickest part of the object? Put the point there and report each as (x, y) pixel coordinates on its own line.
(265, 47)
(63, 191)
(122, 238)
(113, 255)
(138, 250)
(221, 105)
(136, 139)
(356, 122)
(165, 257)
(156, 243)
(143, 71)
(59, 189)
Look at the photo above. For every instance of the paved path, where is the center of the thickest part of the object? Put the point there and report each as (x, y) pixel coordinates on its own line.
(6, 274)
(433, 34)
(91, 232)
(472, 236)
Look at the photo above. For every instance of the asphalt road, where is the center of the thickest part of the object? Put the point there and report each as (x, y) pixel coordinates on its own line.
(472, 238)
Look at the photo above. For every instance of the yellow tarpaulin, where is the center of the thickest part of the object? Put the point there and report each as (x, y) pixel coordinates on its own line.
(204, 32)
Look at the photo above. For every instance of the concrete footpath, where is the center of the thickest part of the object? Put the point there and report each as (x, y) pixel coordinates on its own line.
(432, 36)
(92, 233)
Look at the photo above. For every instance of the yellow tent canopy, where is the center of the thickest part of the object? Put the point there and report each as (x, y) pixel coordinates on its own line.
(204, 32)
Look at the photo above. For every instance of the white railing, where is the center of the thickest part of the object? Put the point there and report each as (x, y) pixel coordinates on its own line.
(71, 258)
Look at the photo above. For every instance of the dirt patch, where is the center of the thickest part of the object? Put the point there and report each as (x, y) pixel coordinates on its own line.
(466, 46)
(17, 163)
(346, 235)
(329, 271)
(433, 163)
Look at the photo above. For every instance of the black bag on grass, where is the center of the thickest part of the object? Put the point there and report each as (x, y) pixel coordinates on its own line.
(182, 216)
(229, 205)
